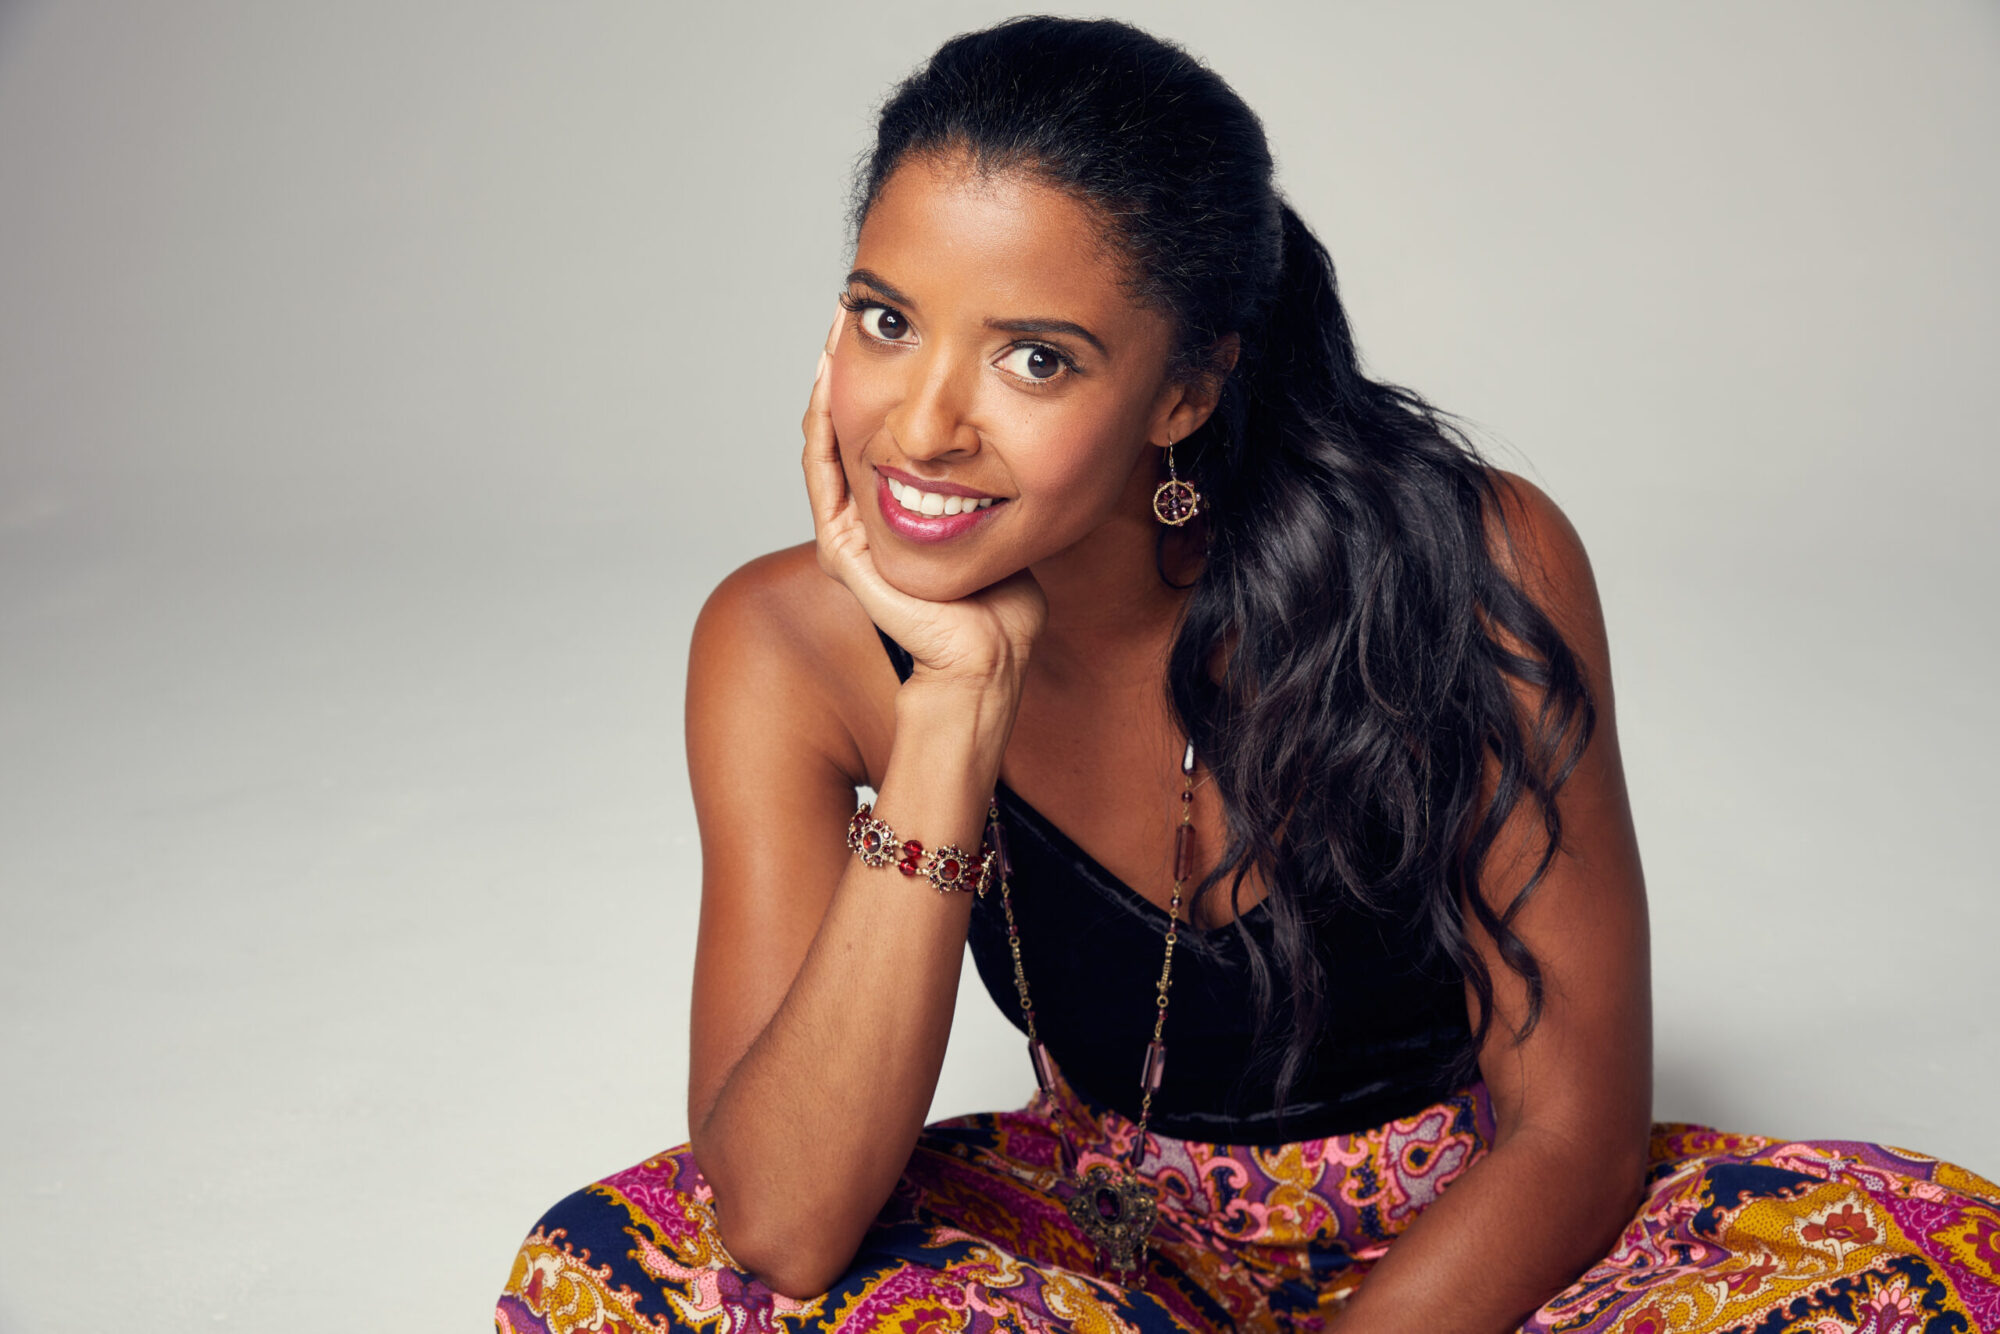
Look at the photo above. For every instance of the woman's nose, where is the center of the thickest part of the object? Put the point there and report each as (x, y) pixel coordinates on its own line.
(931, 420)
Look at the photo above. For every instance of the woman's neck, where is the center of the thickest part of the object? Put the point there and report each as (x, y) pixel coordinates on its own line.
(1110, 612)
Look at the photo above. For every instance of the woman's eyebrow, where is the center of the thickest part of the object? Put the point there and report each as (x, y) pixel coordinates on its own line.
(870, 278)
(1050, 327)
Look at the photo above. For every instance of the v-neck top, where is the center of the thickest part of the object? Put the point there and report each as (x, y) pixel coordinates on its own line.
(1091, 947)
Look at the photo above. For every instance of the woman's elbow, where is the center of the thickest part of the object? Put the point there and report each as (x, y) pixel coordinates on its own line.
(1619, 1169)
(1605, 1171)
(792, 1265)
(770, 1238)
(1638, 1165)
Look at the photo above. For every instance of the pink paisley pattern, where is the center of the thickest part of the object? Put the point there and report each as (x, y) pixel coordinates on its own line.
(1737, 1233)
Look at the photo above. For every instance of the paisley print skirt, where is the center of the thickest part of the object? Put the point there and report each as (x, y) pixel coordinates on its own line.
(1737, 1232)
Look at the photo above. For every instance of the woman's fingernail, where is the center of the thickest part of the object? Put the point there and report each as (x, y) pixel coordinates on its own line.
(820, 374)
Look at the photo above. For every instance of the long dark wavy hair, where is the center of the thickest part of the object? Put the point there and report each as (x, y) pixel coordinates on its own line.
(1348, 587)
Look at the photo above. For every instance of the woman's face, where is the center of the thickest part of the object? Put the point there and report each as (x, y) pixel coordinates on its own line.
(997, 395)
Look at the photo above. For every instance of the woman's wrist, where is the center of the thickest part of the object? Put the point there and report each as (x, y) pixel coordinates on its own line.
(950, 736)
(975, 712)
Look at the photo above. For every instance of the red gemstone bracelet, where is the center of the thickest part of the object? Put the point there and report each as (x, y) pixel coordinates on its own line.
(948, 868)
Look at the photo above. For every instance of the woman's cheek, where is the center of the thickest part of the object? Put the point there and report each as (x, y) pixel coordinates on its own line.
(852, 400)
(1074, 456)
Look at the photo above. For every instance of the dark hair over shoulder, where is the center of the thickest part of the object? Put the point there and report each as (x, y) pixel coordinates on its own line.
(1349, 592)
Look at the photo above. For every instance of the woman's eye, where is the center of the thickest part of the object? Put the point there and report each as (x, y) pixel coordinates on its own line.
(884, 323)
(1033, 362)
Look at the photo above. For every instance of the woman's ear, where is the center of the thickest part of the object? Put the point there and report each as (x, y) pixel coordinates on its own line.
(1197, 397)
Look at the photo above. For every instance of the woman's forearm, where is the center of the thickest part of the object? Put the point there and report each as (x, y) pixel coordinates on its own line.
(1514, 1230)
(811, 1129)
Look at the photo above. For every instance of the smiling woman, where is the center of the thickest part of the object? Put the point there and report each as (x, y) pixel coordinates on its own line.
(1322, 709)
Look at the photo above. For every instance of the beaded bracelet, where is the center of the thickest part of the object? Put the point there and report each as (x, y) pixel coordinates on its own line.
(948, 868)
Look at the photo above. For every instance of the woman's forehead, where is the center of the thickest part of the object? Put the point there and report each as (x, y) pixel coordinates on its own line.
(1002, 243)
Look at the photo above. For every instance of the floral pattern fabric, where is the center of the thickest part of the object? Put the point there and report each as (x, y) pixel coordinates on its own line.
(1736, 1233)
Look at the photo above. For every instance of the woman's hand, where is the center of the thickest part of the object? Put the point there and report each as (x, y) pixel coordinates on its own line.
(976, 640)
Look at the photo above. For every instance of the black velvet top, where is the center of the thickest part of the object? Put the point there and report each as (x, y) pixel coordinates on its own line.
(1091, 949)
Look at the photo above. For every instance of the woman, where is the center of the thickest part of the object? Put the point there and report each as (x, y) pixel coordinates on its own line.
(1239, 712)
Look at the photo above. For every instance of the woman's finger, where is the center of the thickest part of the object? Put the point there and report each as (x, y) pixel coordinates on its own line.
(826, 483)
(837, 527)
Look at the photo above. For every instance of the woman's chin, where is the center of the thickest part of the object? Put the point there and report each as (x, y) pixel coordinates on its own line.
(933, 578)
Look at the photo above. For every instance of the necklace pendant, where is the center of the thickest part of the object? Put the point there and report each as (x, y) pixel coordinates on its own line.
(1116, 1211)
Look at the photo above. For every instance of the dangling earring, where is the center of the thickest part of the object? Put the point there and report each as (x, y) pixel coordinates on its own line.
(1175, 501)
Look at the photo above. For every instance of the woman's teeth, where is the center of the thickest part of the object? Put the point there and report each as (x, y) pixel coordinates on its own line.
(930, 502)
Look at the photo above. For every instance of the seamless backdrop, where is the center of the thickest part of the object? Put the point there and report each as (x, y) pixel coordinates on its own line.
(382, 387)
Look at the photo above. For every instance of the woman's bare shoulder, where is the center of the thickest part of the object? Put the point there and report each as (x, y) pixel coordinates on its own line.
(1529, 532)
(777, 600)
(1540, 551)
(780, 639)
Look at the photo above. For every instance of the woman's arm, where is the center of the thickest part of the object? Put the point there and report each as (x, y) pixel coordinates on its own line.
(823, 988)
(1574, 1101)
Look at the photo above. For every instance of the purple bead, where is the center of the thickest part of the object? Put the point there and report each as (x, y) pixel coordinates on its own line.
(1155, 1068)
(1045, 1070)
(1184, 852)
(996, 839)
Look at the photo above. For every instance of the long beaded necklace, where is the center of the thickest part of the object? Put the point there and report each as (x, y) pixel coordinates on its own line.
(1115, 1209)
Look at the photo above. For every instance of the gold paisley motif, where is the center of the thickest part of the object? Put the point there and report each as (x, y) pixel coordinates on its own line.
(570, 1295)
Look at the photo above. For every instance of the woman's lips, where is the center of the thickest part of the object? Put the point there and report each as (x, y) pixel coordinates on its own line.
(929, 516)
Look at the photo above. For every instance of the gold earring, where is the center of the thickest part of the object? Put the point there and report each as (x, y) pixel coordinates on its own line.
(1175, 501)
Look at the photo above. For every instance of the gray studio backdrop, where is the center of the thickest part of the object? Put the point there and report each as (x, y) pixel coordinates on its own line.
(382, 388)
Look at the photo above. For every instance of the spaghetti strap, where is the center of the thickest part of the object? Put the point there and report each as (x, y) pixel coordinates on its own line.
(899, 657)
